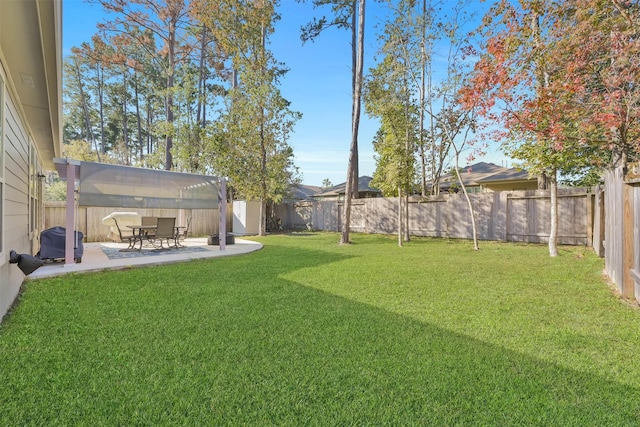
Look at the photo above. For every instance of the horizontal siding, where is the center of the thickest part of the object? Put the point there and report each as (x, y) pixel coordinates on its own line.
(16, 211)
(16, 184)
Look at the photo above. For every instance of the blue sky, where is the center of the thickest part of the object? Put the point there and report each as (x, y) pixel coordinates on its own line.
(318, 85)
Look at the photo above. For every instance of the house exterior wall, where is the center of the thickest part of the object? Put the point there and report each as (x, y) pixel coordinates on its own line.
(30, 127)
(20, 230)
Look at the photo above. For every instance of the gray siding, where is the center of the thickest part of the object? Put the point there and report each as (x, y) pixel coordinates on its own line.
(16, 202)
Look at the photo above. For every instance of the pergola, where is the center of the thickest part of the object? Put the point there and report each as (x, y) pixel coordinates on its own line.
(106, 185)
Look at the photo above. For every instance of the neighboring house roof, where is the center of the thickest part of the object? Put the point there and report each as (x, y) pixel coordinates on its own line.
(303, 192)
(31, 43)
(338, 190)
(486, 174)
(512, 174)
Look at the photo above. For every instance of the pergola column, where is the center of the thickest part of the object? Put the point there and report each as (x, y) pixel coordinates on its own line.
(70, 242)
(222, 208)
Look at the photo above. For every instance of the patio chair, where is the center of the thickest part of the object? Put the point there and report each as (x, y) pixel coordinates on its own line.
(165, 231)
(125, 237)
(185, 233)
(149, 220)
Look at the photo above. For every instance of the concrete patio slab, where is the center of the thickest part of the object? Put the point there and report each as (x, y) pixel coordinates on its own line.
(95, 256)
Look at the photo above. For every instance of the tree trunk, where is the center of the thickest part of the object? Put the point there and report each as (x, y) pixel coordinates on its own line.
(125, 122)
(409, 149)
(202, 79)
(407, 232)
(168, 156)
(263, 218)
(263, 173)
(352, 168)
(423, 88)
(263, 151)
(355, 192)
(138, 119)
(100, 89)
(168, 162)
(469, 204)
(85, 110)
(344, 238)
(400, 215)
(542, 181)
(423, 170)
(148, 123)
(553, 232)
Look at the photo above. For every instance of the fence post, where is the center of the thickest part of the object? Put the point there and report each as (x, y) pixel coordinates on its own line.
(598, 222)
(590, 199)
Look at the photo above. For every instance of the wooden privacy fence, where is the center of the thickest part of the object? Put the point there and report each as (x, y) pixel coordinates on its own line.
(518, 216)
(506, 216)
(205, 222)
(622, 230)
(584, 218)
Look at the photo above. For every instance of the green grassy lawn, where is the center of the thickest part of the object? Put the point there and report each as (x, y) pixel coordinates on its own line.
(308, 332)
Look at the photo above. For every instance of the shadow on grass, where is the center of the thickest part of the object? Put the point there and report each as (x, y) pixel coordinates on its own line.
(229, 342)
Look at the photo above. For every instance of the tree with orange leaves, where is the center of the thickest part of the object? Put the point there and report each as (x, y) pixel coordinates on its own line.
(551, 80)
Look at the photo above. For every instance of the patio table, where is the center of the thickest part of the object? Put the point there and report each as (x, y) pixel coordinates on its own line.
(140, 232)
(179, 231)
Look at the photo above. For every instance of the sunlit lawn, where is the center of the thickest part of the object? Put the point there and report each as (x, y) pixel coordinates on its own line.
(308, 332)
